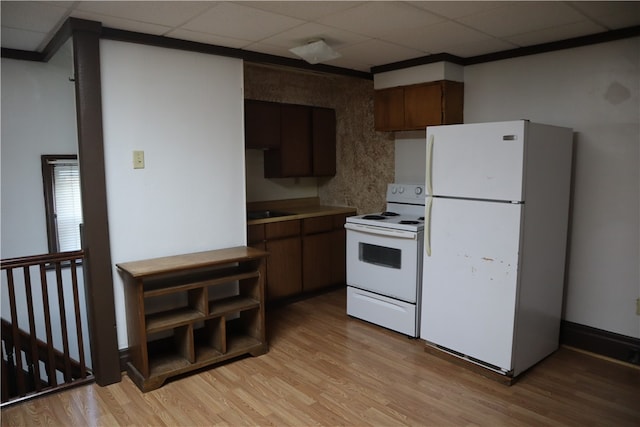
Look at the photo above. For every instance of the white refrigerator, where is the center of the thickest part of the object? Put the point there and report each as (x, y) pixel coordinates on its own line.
(496, 222)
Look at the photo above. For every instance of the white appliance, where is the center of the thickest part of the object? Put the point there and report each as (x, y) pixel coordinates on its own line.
(384, 261)
(496, 217)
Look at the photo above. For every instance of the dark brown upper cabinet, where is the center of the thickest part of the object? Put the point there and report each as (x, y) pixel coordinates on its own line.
(323, 141)
(262, 124)
(299, 140)
(418, 106)
(293, 158)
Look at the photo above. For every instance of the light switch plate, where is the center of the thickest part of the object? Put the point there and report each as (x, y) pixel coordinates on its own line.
(138, 159)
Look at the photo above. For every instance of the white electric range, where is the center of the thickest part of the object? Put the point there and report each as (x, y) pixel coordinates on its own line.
(384, 261)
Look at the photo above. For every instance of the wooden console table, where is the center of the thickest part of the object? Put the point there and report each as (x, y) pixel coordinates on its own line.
(176, 320)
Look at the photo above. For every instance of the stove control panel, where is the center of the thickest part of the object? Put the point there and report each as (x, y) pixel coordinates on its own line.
(406, 193)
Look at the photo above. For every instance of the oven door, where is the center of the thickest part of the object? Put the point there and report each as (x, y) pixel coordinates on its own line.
(384, 261)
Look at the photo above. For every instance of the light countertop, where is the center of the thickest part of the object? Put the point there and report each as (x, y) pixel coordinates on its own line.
(299, 209)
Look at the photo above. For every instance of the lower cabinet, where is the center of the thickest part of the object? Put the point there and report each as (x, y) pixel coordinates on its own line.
(339, 249)
(189, 311)
(304, 255)
(283, 268)
(324, 242)
(316, 261)
(284, 264)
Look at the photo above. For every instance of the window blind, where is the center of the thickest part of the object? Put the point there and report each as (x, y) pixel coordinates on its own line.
(67, 204)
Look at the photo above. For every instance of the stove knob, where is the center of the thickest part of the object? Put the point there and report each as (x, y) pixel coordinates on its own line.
(401, 190)
(394, 190)
(418, 190)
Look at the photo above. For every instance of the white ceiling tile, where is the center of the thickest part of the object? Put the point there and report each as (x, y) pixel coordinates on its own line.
(457, 9)
(195, 36)
(122, 24)
(376, 19)
(282, 52)
(241, 22)
(166, 13)
(270, 49)
(437, 38)
(350, 64)
(307, 10)
(65, 4)
(366, 33)
(479, 47)
(41, 17)
(21, 39)
(522, 17)
(378, 52)
(343, 62)
(306, 32)
(557, 33)
(612, 14)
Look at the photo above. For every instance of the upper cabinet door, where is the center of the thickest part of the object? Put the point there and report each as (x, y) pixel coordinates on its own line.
(422, 106)
(389, 109)
(324, 141)
(261, 124)
(295, 143)
(299, 140)
(416, 106)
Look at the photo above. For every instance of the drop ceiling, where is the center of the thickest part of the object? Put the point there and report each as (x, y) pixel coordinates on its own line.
(365, 33)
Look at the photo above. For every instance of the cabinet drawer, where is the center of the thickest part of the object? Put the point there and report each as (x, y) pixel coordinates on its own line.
(318, 224)
(274, 230)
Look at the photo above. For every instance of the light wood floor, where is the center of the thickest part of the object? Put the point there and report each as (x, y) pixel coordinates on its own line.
(324, 368)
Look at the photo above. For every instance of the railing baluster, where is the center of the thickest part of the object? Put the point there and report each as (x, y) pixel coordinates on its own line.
(5, 374)
(22, 347)
(76, 309)
(15, 333)
(35, 360)
(63, 325)
(50, 363)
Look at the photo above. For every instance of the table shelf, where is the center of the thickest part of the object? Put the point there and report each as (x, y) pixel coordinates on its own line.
(203, 328)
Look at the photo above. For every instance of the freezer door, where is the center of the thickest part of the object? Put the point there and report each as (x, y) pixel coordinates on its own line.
(469, 288)
(477, 161)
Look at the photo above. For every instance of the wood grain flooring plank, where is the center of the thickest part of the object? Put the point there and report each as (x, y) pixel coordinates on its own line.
(324, 368)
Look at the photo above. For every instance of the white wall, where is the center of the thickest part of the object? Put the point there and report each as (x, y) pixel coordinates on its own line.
(595, 90)
(38, 117)
(185, 111)
(260, 188)
(419, 74)
(410, 157)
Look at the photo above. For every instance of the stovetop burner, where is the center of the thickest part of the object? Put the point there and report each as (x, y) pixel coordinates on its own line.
(376, 217)
(404, 210)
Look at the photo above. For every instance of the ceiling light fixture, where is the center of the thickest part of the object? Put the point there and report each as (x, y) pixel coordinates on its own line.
(315, 51)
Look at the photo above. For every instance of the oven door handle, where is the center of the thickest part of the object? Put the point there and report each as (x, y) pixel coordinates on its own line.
(377, 231)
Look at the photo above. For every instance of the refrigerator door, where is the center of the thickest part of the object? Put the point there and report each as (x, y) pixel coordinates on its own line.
(469, 288)
(477, 161)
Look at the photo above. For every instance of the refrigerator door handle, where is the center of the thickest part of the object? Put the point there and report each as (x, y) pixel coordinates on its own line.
(427, 225)
(429, 183)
